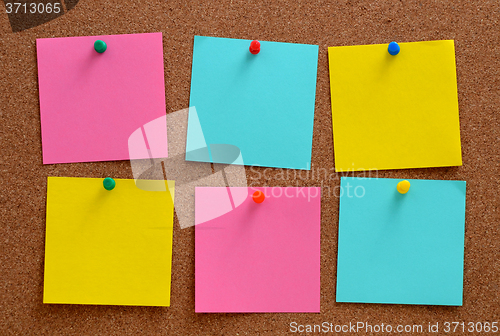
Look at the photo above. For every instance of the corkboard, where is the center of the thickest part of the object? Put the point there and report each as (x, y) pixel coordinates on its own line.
(325, 23)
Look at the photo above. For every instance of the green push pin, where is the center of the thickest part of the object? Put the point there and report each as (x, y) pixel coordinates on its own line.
(109, 183)
(100, 46)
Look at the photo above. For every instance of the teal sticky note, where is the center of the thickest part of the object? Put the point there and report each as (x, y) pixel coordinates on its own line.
(401, 248)
(263, 104)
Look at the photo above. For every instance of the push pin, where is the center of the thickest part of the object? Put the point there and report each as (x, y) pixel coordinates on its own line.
(258, 196)
(100, 46)
(255, 47)
(393, 48)
(403, 187)
(109, 183)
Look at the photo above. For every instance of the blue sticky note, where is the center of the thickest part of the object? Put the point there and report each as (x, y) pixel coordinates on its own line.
(401, 248)
(263, 104)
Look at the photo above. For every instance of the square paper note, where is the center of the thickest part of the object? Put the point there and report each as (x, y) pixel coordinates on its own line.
(401, 248)
(108, 247)
(257, 257)
(263, 104)
(393, 112)
(90, 103)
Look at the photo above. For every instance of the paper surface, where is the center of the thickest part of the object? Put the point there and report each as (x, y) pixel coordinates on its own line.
(396, 248)
(263, 104)
(258, 257)
(393, 112)
(107, 247)
(91, 103)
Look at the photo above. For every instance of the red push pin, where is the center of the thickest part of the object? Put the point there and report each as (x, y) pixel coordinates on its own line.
(255, 47)
(258, 196)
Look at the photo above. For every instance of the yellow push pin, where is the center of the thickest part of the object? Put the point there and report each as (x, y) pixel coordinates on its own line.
(403, 187)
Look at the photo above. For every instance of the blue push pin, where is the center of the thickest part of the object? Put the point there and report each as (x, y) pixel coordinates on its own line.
(393, 48)
(109, 183)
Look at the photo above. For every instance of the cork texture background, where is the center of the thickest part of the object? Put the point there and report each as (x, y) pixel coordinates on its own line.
(23, 177)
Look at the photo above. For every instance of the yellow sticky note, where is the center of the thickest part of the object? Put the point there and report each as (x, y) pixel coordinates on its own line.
(392, 112)
(108, 247)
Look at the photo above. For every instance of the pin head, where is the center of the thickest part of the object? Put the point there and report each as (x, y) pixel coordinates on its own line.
(255, 47)
(403, 187)
(100, 46)
(109, 183)
(258, 196)
(393, 48)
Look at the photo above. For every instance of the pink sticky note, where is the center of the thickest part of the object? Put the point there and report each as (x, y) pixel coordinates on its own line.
(258, 257)
(91, 103)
